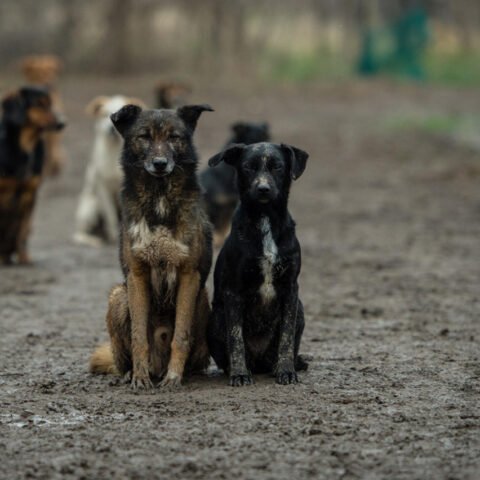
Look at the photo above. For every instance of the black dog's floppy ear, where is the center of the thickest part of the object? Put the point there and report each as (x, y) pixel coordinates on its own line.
(230, 155)
(14, 109)
(190, 114)
(124, 117)
(298, 160)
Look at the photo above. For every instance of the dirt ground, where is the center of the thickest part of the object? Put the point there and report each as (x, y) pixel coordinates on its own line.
(389, 223)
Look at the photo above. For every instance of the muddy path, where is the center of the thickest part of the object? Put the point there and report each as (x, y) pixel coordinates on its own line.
(389, 223)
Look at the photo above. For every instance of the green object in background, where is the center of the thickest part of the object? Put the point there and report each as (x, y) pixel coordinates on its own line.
(397, 49)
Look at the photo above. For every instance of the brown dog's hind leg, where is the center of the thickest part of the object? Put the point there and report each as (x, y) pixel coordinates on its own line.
(118, 324)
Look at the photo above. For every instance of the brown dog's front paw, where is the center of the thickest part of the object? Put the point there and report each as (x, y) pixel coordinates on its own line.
(172, 380)
(240, 380)
(286, 377)
(141, 382)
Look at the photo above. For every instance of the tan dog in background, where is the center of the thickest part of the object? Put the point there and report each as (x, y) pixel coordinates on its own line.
(43, 70)
(98, 208)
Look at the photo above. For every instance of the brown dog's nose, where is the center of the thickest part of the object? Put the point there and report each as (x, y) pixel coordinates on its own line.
(160, 163)
(61, 123)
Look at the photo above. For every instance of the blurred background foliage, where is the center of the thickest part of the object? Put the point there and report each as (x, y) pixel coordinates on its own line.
(272, 40)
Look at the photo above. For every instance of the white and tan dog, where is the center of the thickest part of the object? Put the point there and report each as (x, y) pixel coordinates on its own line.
(98, 210)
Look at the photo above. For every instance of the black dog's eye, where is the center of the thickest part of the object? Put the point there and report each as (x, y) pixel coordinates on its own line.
(277, 168)
(145, 136)
(174, 137)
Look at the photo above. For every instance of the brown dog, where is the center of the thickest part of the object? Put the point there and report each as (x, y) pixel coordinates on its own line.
(43, 70)
(157, 319)
(26, 115)
(171, 94)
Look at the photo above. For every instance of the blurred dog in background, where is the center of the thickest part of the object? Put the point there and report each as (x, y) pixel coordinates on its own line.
(43, 70)
(98, 208)
(171, 94)
(27, 115)
(221, 194)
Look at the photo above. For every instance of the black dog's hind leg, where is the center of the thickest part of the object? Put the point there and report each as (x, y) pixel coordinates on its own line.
(288, 343)
(239, 374)
(217, 340)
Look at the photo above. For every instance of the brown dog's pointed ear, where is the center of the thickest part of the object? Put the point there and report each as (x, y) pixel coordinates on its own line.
(298, 160)
(230, 155)
(190, 114)
(14, 109)
(125, 117)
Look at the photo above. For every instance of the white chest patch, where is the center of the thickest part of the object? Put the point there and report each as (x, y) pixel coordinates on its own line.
(141, 234)
(157, 244)
(267, 261)
(162, 207)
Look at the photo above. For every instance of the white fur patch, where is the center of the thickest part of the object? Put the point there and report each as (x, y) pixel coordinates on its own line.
(268, 260)
(141, 234)
(162, 207)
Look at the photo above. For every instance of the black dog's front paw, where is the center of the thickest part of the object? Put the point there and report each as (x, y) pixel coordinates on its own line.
(240, 380)
(286, 377)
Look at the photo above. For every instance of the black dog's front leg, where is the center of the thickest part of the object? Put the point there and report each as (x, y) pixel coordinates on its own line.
(239, 374)
(285, 367)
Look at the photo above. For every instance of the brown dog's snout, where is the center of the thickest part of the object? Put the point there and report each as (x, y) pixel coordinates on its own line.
(160, 163)
(60, 121)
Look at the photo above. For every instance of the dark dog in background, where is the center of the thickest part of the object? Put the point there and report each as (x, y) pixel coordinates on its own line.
(157, 319)
(27, 115)
(171, 94)
(43, 71)
(257, 320)
(221, 194)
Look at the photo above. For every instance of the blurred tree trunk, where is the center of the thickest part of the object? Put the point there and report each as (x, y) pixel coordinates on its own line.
(118, 36)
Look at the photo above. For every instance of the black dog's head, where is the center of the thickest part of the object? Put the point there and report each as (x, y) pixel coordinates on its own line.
(158, 141)
(31, 107)
(249, 132)
(264, 170)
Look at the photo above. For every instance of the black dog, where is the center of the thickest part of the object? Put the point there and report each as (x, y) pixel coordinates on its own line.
(221, 195)
(257, 320)
(27, 115)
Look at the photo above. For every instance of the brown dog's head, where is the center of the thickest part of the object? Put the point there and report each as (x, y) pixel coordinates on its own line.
(171, 94)
(41, 69)
(31, 107)
(158, 141)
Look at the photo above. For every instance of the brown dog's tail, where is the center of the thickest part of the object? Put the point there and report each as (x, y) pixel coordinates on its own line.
(101, 360)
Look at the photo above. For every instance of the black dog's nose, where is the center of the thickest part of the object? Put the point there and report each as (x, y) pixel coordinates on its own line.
(263, 188)
(160, 163)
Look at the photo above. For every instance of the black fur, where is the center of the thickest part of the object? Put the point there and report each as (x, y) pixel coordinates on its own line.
(220, 190)
(249, 331)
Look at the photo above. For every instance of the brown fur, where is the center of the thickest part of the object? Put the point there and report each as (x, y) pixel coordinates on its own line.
(44, 70)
